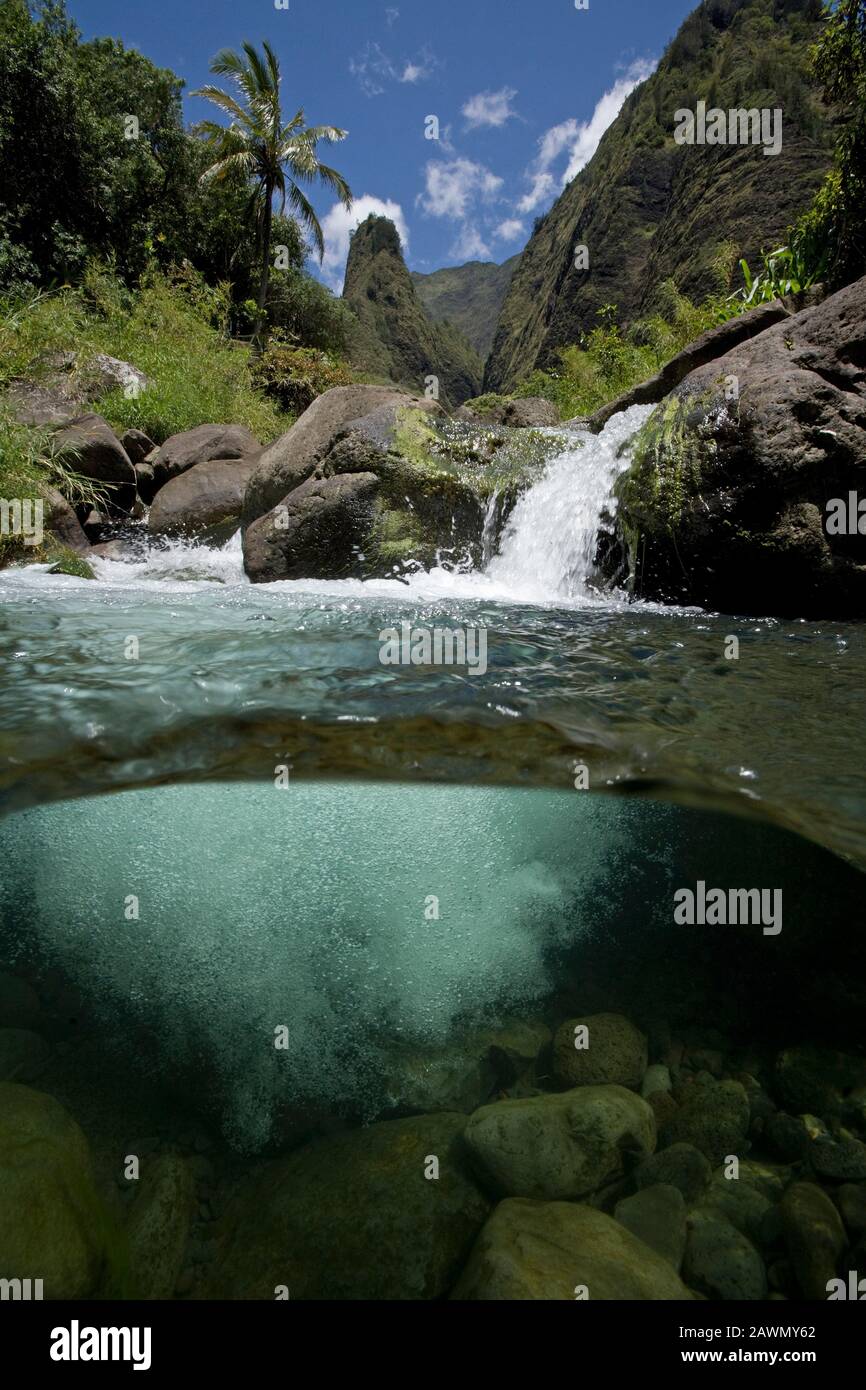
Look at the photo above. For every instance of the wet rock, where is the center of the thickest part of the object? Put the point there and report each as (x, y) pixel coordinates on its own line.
(681, 1165)
(90, 447)
(787, 1135)
(560, 1146)
(19, 1004)
(52, 1224)
(62, 522)
(355, 1217)
(318, 531)
(851, 1201)
(611, 1052)
(814, 1236)
(657, 1081)
(841, 1160)
(657, 1216)
(720, 1261)
(203, 444)
(465, 1074)
(203, 502)
(535, 1250)
(159, 1224)
(739, 1202)
(814, 1078)
(293, 458)
(23, 1055)
(712, 1115)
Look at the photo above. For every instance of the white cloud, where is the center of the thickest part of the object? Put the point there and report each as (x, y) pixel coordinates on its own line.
(490, 108)
(470, 245)
(450, 187)
(509, 230)
(340, 222)
(391, 17)
(579, 138)
(374, 68)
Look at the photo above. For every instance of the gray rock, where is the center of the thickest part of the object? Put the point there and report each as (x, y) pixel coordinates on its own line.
(814, 1078)
(62, 522)
(104, 374)
(23, 1055)
(560, 1250)
(657, 1216)
(292, 459)
(814, 1235)
(840, 1160)
(464, 1074)
(657, 1078)
(615, 1054)
(720, 1262)
(205, 501)
(202, 444)
(714, 1116)
(560, 1146)
(355, 1217)
(90, 447)
(739, 1202)
(851, 1201)
(137, 445)
(681, 1165)
(316, 532)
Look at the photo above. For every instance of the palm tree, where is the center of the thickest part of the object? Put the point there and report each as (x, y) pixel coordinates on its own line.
(277, 158)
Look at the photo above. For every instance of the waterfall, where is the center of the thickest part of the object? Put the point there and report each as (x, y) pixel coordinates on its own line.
(548, 548)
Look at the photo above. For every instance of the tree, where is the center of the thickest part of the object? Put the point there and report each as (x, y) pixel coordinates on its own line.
(837, 219)
(276, 158)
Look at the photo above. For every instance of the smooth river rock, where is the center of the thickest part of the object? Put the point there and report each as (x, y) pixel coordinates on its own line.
(615, 1052)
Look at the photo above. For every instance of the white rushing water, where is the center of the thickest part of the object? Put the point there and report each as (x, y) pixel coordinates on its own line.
(545, 556)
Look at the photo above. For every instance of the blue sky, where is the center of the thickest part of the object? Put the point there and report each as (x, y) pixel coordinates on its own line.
(522, 91)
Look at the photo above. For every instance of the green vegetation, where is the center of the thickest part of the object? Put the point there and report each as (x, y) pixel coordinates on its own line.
(258, 147)
(294, 376)
(469, 297)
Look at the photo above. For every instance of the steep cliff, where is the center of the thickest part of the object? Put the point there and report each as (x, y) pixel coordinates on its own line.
(647, 208)
(468, 296)
(391, 337)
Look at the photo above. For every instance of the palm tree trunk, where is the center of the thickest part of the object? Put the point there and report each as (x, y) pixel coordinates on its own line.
(260, 339)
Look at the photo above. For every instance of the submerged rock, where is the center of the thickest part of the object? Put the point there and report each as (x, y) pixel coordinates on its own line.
(720, 1261)
(159, 1224)
(559, 1250)
(52, 1224)
(681, 1165)
(712, 1115)
(358, 1216)
(611, 1052)
(464, 1074)
(657, 1216)
(814, 1235)
(560, 1146)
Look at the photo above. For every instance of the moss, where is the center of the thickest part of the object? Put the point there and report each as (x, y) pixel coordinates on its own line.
(671, 451)
(64, 560)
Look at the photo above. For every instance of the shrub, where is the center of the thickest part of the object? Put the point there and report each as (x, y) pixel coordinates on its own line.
(294, 376)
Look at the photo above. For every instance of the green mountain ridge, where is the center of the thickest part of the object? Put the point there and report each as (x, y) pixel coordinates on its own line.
(468, 296)
(648, 209)
(390, 336)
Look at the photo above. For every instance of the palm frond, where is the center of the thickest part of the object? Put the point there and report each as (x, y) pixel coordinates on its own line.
(302, 205)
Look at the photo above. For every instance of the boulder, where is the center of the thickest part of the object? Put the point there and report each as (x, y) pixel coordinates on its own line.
(137, 445)
(159, 1224)
(62, 522)
(559, 1250)
(528, 412)
(657, 1216)
(728, 499)
(611, 1051)
(814, 1235)
(707, 348)
(202, 444)
(362, 1215)
(292, 459)
(63, 388)
(712, 1115)
(318, 531)
(815, 1078)
(560, 1146)
(51, 1222)
(205, 501)
(720, 1262)
(465, 1073)
(682, 1166)
(90, 447)
(103, 374)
